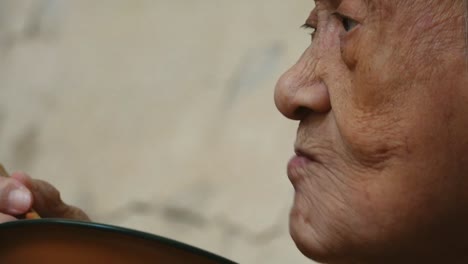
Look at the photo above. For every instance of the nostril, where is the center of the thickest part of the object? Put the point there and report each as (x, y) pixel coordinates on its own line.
(301, 112)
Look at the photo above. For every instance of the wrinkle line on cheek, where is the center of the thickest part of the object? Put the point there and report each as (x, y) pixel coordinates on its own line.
(330, 184)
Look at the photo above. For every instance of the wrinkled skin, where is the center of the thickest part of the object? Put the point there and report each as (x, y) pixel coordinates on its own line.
(383, 111)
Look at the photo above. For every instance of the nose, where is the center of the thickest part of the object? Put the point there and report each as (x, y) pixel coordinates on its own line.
(300, 91)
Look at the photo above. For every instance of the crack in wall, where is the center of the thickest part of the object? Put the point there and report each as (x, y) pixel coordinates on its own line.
(23, 21)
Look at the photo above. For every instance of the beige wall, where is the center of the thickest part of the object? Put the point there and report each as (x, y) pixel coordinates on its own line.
(157, 114)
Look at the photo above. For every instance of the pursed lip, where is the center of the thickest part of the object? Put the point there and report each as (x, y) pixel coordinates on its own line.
(301, 153)
(298, 163)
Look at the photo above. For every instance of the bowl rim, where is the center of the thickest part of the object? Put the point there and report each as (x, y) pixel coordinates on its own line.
(120, 230)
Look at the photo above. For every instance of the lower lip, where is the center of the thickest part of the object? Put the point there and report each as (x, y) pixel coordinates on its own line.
(296, 167)
(297, 162)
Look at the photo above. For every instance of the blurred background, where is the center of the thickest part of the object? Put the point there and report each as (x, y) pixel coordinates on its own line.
(157, 115)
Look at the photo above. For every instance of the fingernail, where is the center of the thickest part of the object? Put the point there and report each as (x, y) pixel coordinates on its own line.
(19, 200)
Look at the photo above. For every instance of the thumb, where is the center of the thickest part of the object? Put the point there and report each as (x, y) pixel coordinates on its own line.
(47, 200)
(15, 198)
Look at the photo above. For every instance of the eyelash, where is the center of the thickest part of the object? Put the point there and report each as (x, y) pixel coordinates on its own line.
(348, 24)
(310, 27)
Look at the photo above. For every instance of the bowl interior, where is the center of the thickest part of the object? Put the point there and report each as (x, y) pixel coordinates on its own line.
(61, 241)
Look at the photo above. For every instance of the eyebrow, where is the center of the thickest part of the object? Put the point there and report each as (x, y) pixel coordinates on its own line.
(334, 2)
(337, 2)
(331, 3)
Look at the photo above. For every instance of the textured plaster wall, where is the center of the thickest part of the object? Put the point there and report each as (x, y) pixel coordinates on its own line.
(157, 114)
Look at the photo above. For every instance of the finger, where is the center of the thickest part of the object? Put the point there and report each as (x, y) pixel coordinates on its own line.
(15, 198)
(6, 218)
(47, 200)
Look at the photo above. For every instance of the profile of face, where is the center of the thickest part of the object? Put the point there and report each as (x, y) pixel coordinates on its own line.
(381, 172)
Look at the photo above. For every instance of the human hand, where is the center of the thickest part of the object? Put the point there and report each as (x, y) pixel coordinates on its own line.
(19, 193)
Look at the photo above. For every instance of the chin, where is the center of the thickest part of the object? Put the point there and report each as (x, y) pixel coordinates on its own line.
(315, 235)
(307, 239)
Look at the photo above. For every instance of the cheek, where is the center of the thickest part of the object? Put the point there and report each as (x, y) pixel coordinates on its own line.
(370, 113)
(367, 135)
(350, 45)
(371, 67)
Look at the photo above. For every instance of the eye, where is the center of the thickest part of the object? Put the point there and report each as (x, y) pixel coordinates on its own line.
(348, 23)
(310, 28)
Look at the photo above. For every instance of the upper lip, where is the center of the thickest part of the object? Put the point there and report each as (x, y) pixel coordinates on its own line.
(302, 153)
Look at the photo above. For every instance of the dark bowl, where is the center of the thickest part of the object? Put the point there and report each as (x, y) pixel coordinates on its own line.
(55, 241)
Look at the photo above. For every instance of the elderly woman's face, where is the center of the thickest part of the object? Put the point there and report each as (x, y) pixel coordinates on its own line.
(382, 99)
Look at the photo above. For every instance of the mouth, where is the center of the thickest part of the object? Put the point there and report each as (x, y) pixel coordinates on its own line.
(303, 154)
(298, 163)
